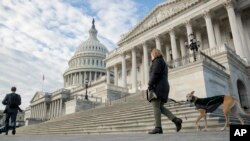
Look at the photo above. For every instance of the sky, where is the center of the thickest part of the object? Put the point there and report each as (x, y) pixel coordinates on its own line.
(38, 37)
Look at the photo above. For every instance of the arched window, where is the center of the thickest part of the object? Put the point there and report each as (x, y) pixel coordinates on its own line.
(93, 62)
(97, 63)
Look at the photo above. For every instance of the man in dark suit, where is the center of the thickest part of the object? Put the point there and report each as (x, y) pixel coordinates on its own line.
(12, 102)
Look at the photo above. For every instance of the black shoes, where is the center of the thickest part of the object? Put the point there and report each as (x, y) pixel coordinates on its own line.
(13, 132)
(157, 130)
(177, 122)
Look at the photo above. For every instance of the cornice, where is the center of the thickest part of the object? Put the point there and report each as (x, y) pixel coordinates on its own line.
(187, 4)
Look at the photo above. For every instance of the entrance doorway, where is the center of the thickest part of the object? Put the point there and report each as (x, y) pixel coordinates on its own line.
(242, 95)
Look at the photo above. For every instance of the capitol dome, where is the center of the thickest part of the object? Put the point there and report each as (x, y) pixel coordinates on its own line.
(87, 64)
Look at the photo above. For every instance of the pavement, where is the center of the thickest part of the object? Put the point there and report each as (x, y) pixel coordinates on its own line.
(193, 136)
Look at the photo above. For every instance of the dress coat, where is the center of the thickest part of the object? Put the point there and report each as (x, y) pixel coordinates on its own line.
(6, 102)
(158, 78)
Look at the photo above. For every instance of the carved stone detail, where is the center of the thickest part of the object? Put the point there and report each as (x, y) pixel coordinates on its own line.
(160, 14)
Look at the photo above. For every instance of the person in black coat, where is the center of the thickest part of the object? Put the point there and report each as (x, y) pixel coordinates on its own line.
(11, 112)
(158, 82)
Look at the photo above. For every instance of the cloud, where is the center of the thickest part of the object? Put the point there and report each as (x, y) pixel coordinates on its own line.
(39, 37)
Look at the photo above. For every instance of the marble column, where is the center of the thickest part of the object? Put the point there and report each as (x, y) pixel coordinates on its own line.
(52, 109)
(124, 71)
(38, 110)
(85, 77)
(145, 63)
(31, 111)
(45, 111)
(108, 76)
(217, 33)
(189, 30)
(57, 107)
(95, 76)
(168, 56)
(182, 45)
(90, 76)
(61, 105)
(158, 42)
(116, 75)
(198, 37)
(134, 71)
(235, 32)
(80, 77)
(173, 45)
(34, 111)
(210, 31)
(246, 50)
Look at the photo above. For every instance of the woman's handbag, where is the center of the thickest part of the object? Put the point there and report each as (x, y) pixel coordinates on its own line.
(151, 95)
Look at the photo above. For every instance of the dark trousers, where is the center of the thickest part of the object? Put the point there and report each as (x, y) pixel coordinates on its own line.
(160, 109)
(12, 116)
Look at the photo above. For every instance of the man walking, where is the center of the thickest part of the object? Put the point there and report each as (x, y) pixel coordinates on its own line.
(12, 102)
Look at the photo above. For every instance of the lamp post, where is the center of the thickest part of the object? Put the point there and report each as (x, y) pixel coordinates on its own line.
(86, 86)
(194, 44)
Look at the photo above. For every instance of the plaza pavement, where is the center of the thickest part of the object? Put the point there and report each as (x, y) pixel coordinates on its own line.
(193, 136)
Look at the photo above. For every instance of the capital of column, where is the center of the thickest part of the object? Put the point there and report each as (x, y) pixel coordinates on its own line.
(206, 14)
(172, 32)
(144, 43)
(157, 37)
(188, 22)
(228, 4)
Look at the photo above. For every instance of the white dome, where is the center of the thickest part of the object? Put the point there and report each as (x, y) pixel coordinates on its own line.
(92, 43)
(87, 64)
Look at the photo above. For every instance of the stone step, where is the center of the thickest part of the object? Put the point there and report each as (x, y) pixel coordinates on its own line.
(138, 129)
(149, 124)
(119, 118)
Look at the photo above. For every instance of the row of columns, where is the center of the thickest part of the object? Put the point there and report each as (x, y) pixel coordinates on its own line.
(80, 77)
(87, 62)
(39, 110)
(56, 108)
(214, 39)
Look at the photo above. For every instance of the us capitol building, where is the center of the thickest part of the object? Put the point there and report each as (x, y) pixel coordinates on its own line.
(217, 31)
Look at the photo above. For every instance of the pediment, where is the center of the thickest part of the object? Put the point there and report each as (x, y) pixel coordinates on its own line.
(159, 14)
(37, 96)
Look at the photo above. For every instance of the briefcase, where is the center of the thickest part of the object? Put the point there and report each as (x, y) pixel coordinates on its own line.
(151, 95)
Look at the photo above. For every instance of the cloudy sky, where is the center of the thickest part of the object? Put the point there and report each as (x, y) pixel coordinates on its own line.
(39, 36)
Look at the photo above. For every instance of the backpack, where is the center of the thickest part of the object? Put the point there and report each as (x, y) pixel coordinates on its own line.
(15, 100)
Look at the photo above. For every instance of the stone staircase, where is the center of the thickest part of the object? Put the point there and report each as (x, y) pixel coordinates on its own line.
(133, 116)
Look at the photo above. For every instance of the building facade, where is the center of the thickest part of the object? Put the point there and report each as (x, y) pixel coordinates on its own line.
(222, 28)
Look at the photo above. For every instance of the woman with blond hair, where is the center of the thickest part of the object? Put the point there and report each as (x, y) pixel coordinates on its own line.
(158, 83)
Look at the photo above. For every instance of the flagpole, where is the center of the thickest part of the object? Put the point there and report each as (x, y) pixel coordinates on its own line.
(43, 83)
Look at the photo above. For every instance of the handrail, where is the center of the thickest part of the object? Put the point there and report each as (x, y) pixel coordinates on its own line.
(217, 63)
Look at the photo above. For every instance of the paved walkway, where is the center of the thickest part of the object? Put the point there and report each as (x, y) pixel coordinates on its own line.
(194, 136)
